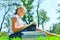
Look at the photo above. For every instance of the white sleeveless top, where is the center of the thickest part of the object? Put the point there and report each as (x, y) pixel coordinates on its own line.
(19, 21)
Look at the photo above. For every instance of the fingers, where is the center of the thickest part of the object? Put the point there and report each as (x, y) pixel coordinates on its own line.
(35, 23)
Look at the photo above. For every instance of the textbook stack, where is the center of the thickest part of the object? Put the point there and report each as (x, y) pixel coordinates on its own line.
(32, 35)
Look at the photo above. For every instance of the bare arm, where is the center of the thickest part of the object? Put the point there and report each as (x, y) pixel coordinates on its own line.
(14, 20)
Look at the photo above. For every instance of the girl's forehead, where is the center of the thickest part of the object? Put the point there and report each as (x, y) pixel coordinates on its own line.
(20, 9)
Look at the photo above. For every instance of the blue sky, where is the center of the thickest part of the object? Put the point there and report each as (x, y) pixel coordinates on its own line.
(50, 7)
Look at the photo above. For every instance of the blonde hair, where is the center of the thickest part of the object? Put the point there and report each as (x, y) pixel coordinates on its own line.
(22, 8)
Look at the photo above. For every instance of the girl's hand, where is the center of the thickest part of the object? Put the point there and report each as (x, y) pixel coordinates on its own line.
(34, 23)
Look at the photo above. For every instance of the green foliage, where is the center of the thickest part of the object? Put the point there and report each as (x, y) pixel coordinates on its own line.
(43, 17)
(28, 15)
(58, 11)
(8, 20)
(8, 7)
(56, 28)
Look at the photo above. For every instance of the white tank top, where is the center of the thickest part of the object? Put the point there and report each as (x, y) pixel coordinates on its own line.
(20, 22)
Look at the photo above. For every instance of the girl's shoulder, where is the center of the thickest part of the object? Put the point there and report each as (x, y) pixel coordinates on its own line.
(14, 16)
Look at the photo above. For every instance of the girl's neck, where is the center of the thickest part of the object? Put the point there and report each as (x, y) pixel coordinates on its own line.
(20, 16)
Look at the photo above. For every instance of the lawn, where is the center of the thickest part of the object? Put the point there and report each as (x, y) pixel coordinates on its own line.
(5, 37)
(39, 38)
(49, 38)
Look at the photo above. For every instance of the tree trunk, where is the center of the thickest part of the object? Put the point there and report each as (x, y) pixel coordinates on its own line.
(4, 18)
(38, 13)
(42, 26)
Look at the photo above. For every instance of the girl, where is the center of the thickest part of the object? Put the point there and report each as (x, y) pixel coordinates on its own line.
(18, 25)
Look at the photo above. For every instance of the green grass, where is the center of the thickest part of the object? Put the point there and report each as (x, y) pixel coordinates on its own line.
(49, 38)
(5, 37)
(39, 38)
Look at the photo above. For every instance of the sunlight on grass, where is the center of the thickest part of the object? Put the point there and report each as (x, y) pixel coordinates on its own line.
(3, 38)
(40, 38)
(49, 38)
(16, 38)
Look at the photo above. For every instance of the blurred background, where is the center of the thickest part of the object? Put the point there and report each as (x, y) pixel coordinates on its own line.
(46, 13)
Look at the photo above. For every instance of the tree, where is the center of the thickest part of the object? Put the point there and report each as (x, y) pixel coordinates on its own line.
(43, 18)
(58, 10)
(38, 13)
(56, 28)
(8, 6)
(28, 15)
(7, 22)
(4, 16)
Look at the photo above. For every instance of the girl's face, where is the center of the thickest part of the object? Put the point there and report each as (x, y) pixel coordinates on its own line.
(20, 12)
